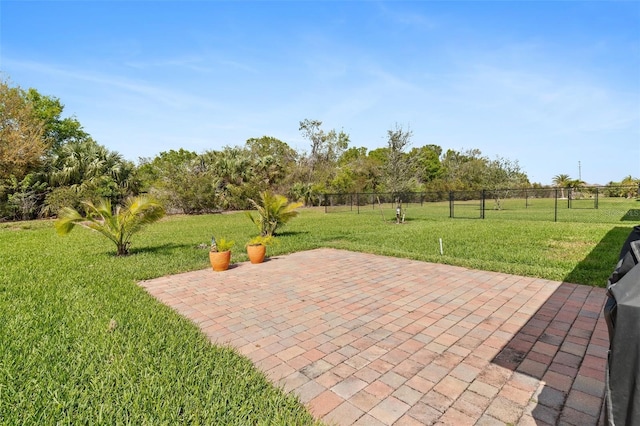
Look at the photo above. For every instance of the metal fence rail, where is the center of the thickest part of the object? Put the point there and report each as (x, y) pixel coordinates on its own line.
(587, 204)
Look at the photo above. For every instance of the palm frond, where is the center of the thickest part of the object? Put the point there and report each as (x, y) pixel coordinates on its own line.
(273, 211)
(68, 218)
(117, 225)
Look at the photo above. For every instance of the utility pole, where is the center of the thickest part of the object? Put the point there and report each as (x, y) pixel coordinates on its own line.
(579, 171)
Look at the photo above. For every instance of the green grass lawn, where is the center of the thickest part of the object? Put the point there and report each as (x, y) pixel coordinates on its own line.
(80, 342)
(609, 210)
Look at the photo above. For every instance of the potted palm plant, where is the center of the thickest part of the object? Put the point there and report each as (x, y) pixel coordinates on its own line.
(220, 254)
(273, 211)
(257, 247)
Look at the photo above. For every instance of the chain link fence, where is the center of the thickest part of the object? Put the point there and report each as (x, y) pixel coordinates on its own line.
(587, 204)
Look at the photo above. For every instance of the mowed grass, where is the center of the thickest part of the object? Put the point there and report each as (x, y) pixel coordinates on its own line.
(582, 253)
(587, 210)
(81, 342)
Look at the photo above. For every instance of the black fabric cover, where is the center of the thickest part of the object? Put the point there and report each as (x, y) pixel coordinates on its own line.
(622, 312)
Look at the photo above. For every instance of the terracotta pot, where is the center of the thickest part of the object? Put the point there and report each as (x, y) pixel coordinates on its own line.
(220, 260)
(256, 253)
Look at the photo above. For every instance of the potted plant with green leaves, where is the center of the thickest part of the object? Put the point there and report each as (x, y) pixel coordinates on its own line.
(220, 254)
(273, 211)
(257, 247)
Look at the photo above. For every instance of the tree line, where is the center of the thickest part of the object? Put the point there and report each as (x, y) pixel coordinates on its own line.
(48, 162)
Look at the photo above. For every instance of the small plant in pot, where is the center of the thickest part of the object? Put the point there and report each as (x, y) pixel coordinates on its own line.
(220, 254)
(257, 247)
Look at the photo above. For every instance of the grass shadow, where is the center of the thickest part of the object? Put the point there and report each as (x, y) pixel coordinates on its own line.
(162, 250)
(632, 215)
(591, 270)
(290, 233)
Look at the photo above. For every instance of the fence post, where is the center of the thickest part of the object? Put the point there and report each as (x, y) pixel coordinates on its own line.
(596, 201)
(326, 203)
(351, 202)
(568, 198)
(482, 203)
(358, 202)
(451, 204)
(555, 210)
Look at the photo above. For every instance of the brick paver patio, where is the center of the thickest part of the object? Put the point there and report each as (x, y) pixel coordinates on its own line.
(373, 340)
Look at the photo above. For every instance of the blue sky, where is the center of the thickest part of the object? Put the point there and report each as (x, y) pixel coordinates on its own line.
(551, 84)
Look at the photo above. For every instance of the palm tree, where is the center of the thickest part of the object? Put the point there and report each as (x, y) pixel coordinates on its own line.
(118, 224)
(576, 183)
(631, 186)
(562, 181)
(87, 165)
(273, 211)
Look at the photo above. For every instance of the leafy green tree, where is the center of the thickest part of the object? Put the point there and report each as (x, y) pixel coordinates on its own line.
(379, 155)
(57, 130)
(631, 186)
(357, 172)
(325, 146)
(64, 196)
(274, 163)
(193, 190)
(502, 175)
(464, 170)
(326, 149)
(273, 211)
(576, 183)
(398, 176)
(22, 134)
(426, 162)
(344, 181)
(119, 225)
(79, 163)
(235, 172)
(352, 155)
(48, 154)
(470, 170)
(267, 172)
(23, 198)
(164, 165)
(92, 170)
(303, 191)
(184, 180)
(269, 146)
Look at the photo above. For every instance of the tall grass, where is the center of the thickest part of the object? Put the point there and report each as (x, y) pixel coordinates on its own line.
(81, 343)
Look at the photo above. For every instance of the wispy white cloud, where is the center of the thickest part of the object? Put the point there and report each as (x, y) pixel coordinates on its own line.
(528, 89)
(197, 63)
(407, 17)
(101, 82)
(558, 102)
(192, 63)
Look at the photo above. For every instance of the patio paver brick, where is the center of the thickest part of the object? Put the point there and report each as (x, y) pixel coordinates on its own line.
(370, 340)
